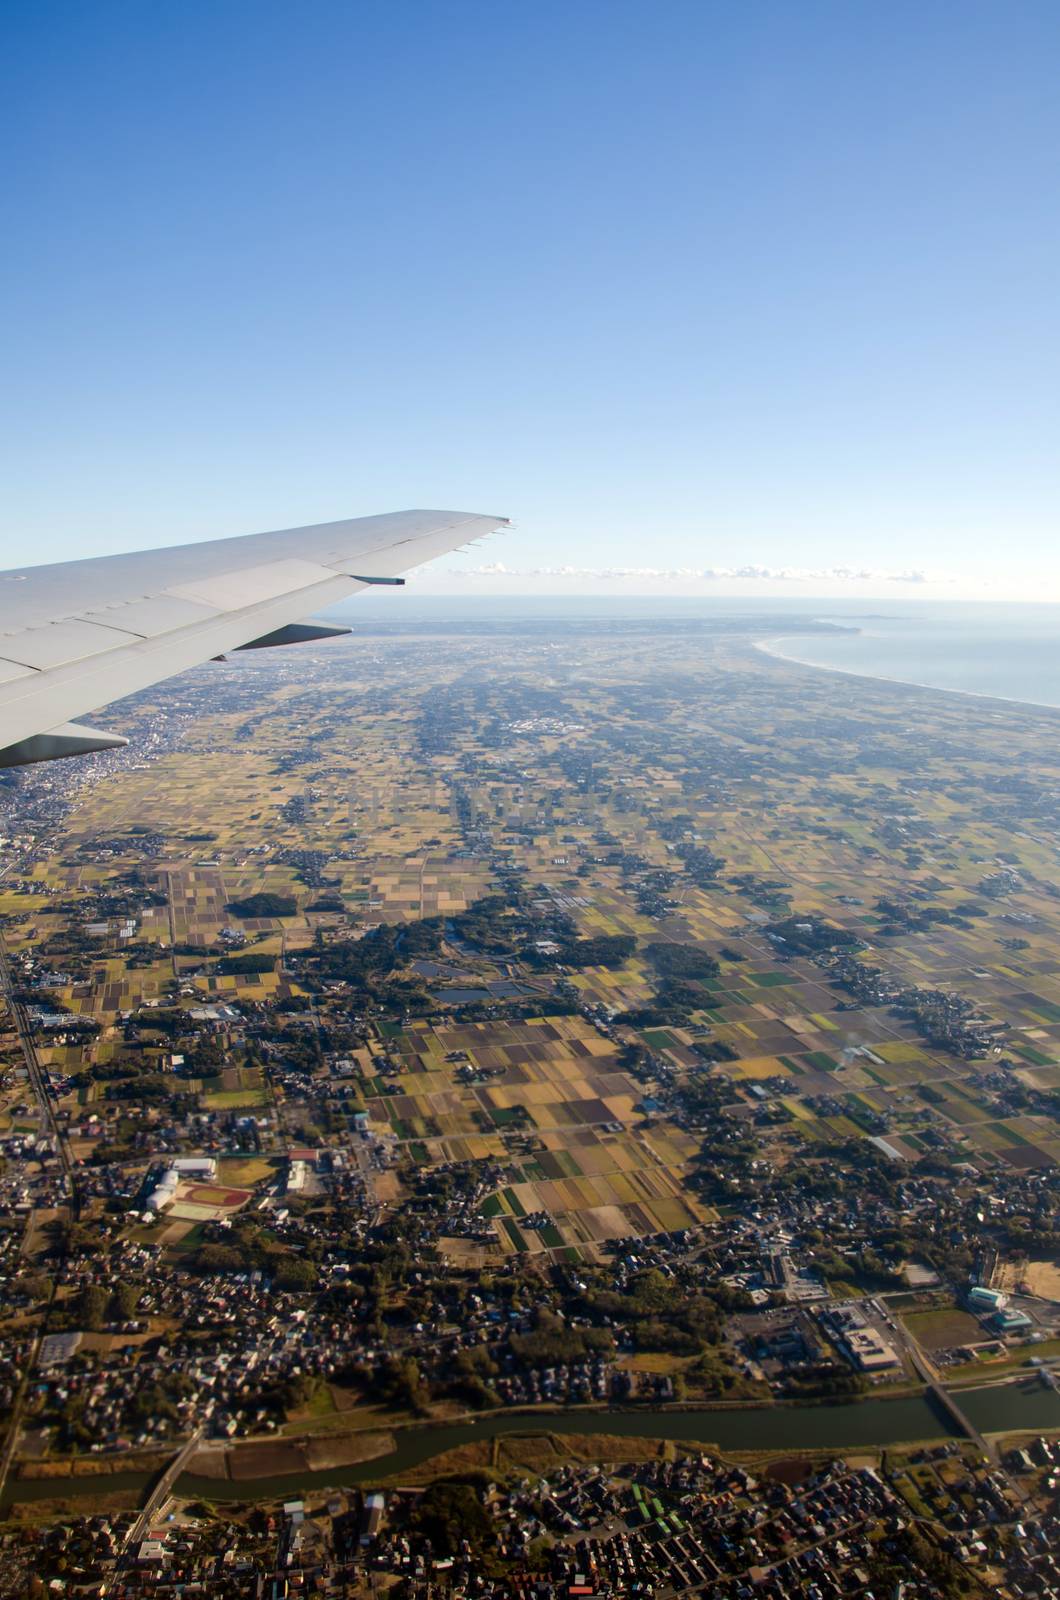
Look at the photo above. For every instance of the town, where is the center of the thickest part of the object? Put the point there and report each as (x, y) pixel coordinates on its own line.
(635, 1053)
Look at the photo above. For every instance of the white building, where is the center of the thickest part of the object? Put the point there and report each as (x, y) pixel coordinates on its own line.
(194, 1167)
(164, 1191)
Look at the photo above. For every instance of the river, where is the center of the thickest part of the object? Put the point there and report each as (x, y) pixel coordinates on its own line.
(863, 1424)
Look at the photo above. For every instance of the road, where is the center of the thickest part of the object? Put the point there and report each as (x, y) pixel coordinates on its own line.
(161, 1491)
(927, 1371)
(48, 1121)
(172, 916)
(155, 1500)
(37, 1079)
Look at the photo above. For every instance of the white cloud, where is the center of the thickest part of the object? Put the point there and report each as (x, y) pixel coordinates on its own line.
(497, 569)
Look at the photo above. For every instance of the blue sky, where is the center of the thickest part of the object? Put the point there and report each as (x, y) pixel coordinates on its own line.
(684, 288)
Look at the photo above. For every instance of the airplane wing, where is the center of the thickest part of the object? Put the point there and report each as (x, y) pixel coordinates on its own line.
(79, 634)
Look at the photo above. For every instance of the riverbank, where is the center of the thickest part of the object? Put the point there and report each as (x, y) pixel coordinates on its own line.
(865, 1425)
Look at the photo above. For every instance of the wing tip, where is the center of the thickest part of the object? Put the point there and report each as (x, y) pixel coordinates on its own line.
(458, 516)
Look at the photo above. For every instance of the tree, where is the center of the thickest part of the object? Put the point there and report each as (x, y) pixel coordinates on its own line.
(253, 962)
(92, 1306)
(682, 960)
(449, 1512)
(213, 1258)
(606, 950)
(125, 1300)
(295, 1273)
(264, 904)
(404, 1386)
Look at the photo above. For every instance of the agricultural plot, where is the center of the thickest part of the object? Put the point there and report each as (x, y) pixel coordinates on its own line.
(534, 1075)
(594, 1187)
(555, 1084)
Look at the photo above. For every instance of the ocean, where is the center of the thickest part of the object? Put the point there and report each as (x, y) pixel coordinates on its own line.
(1008, 651)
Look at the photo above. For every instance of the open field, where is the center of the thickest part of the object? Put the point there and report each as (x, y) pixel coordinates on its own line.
(943, 1329)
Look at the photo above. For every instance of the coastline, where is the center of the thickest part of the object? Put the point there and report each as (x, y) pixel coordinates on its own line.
(769, 647)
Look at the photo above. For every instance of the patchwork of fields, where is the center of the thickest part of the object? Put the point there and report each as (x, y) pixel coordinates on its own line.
(391, 780)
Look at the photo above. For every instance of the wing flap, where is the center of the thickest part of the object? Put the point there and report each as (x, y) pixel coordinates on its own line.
(9, 670)
(59, 642)
(162, 613)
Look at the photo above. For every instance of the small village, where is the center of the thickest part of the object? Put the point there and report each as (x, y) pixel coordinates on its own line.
(929, 1522)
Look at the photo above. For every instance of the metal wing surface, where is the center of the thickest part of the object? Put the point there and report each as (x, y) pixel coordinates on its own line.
(79, 634)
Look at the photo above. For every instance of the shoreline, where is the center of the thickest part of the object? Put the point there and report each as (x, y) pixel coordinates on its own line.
(769, 647)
